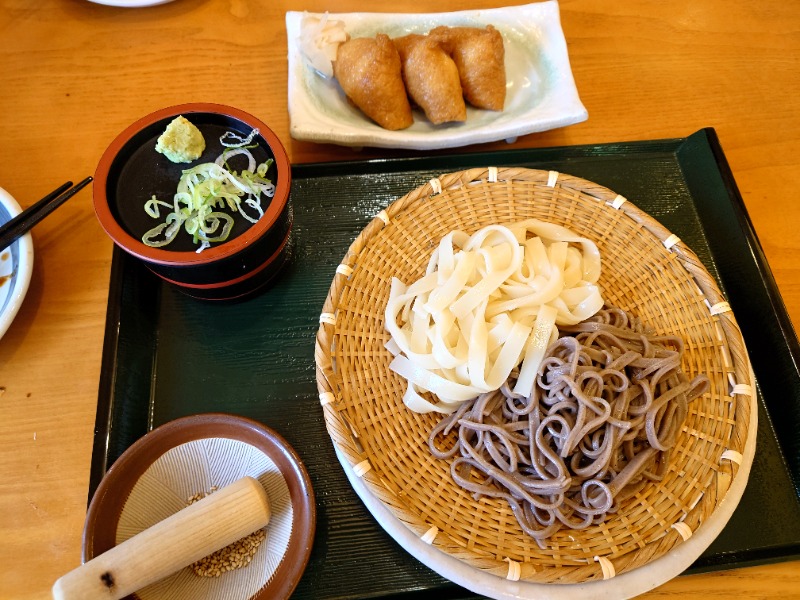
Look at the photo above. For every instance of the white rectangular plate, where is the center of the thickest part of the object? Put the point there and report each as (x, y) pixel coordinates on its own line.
(541, 92)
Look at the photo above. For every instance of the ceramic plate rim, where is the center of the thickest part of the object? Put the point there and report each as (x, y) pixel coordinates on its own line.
(130, 3)
(21, 276)
(558, 106)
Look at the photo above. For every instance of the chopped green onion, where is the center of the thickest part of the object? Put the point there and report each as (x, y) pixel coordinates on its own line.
(205, 190)
(151, 207)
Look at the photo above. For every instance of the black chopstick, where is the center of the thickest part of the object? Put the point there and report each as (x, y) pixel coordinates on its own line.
(29, 217)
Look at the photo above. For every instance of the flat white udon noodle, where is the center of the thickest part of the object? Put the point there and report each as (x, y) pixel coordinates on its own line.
(195, 467)
(625, 585)
(488, 302)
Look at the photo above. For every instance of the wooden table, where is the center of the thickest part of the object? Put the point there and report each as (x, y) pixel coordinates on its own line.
(73, 74)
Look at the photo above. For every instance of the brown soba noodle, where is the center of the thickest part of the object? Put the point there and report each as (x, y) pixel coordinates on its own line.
(609, 403)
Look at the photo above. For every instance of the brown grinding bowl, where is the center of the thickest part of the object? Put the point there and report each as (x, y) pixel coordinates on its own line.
(131, 171)
(155, 477)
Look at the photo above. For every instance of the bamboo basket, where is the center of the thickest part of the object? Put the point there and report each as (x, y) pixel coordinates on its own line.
(645, 269)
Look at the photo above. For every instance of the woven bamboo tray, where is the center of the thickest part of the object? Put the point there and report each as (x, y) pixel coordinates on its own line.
(646, 270)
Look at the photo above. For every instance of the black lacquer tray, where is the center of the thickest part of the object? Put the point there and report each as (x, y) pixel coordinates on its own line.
(167, 355)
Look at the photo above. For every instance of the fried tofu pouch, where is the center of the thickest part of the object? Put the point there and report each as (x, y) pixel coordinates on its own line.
(479, 56)
(369, 71)
(431, 78)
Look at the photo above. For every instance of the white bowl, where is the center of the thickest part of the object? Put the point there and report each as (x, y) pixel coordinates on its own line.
(16, 265)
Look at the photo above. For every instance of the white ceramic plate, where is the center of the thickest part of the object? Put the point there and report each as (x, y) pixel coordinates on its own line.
(541, 91)
(626, 585)
(130, 3)
(16, 266)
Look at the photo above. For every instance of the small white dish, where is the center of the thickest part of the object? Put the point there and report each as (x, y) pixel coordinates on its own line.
(541, 91)
(16, 266)
(130, 3)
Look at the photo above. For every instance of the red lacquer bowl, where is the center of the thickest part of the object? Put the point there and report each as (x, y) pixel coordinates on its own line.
(130, 172)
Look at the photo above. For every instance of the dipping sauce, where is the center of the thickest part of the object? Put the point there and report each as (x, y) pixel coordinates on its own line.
(5, 278)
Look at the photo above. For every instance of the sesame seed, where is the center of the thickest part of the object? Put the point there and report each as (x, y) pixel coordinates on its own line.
(231, 557)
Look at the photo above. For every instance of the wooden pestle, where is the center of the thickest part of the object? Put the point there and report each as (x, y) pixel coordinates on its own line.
(202, 528)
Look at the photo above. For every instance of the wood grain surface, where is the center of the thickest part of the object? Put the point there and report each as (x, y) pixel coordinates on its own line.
(73, 74)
